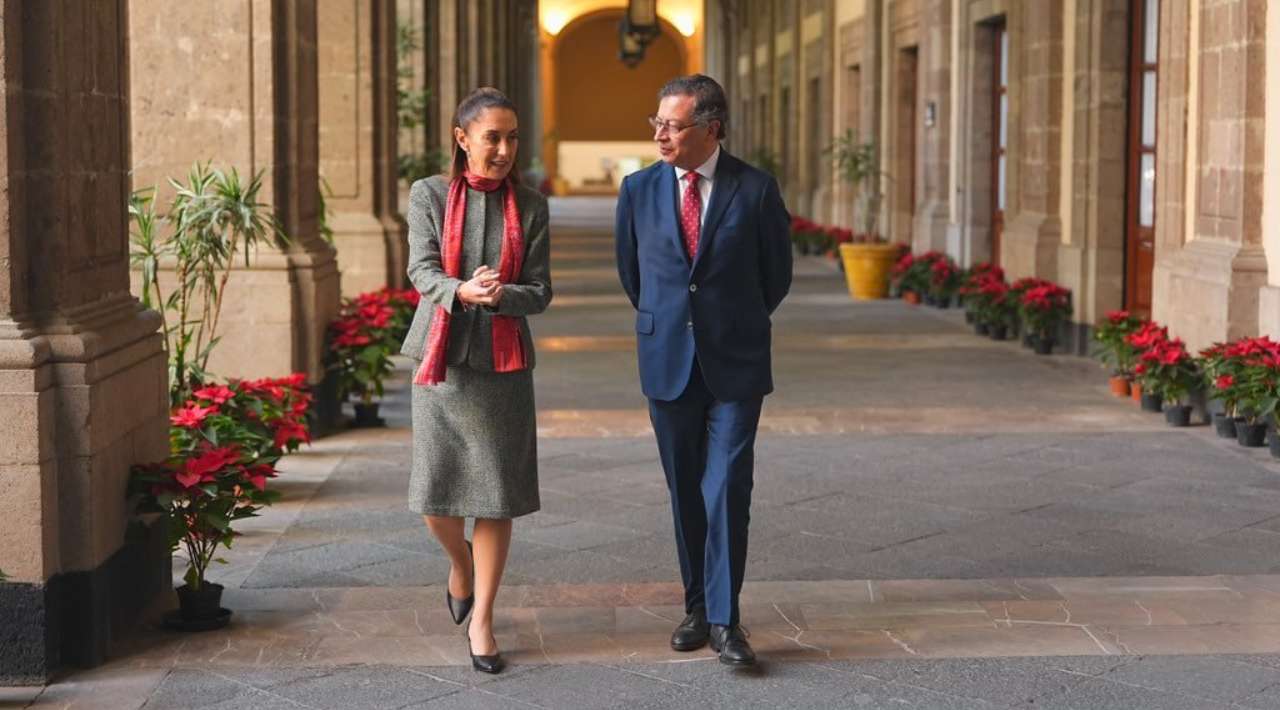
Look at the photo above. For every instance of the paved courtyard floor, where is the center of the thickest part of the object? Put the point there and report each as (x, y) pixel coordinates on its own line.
(939, 521)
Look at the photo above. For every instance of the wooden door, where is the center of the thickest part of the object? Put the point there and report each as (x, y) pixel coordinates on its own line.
(1140, 253)
(999, 137)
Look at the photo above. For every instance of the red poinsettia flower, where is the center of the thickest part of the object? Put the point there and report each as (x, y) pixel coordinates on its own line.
(258, 474)
(219, 394)
(352, 340)
(192, 415)
(203, 468)
(1118, 317)
(290, 430)
(1225, 381)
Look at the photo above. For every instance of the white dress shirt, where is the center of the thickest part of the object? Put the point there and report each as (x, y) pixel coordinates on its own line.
(706, 178)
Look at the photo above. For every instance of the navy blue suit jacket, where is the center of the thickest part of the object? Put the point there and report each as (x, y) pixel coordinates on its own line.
(716, 308)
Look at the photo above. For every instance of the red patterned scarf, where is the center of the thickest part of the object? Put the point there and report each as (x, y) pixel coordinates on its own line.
(508, 350)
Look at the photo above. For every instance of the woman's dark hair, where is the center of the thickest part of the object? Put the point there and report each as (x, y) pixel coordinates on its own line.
(709, 102)
(469, 110)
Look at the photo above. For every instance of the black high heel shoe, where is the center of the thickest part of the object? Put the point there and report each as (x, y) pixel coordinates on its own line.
(485, 664)
(460, 608)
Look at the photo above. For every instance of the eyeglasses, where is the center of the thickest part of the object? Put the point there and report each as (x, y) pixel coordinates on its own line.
(670, 127)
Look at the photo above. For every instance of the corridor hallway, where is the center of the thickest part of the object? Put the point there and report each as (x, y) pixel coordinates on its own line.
(938, 521)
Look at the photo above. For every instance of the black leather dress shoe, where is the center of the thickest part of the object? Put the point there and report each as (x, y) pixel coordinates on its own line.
(731, 643)
(459, 608)
(691, 634)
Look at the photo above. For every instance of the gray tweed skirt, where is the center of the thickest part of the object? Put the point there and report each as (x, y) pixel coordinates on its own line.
(475, 446)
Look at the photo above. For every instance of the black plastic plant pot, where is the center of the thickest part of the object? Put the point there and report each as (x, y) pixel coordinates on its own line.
(1178, 415)
(1152, 402)
(1251, 435)
(1224, 425)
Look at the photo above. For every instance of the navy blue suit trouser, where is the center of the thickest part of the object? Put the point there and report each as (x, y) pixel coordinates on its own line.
(707, 450)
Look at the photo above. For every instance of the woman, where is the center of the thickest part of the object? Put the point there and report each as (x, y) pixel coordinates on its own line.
(479, 253)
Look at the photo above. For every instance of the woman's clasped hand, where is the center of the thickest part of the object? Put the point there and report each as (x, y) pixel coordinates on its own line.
(484, 288)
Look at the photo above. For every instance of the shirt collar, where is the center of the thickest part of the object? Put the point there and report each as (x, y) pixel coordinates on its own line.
(707, 171)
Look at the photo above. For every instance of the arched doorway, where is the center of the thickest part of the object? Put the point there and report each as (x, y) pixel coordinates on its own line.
(595, 106)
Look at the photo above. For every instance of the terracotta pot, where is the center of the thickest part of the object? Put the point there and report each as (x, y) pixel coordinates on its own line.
(1119, 386)
(1135, 391)
(911, 297)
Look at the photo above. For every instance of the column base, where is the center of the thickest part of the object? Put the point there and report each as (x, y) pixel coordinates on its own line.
(929, 232)
(370, 254)
(1209, 291)
(1030, 245)
(79, 618)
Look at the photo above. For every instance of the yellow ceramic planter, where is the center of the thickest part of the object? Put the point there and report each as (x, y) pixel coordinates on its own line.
(866, 269)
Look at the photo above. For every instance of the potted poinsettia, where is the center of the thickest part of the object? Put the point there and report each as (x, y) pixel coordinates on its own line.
(970, 280)
(1116, 352)
(1043, 309)
(1251, 363)
(225, 442)
(1168, 372)
(362, 341)
(994, 309)
(1220, 381)
(1142, 340)
(903, 278)
(944, 280)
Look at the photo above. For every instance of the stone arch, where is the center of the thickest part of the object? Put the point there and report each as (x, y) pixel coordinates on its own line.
(598, 104)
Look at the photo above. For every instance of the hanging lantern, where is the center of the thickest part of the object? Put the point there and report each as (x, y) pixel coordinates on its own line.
(642, 20)
(630, 49)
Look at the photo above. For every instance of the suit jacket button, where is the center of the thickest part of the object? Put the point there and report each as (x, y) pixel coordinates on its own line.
(693, 287)
(689, 325)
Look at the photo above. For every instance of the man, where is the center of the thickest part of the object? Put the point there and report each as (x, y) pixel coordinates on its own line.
(704, 254)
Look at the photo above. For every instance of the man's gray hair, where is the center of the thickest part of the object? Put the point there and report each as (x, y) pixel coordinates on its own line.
(709, 102)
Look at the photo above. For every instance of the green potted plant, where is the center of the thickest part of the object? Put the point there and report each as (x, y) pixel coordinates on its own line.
(213, 219)
(1115, 352)
(867, 258)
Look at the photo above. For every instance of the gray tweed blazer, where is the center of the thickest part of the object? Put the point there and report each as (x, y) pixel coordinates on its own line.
(470, 332)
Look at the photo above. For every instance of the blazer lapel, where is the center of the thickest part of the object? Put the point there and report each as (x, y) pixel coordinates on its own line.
(726, 184)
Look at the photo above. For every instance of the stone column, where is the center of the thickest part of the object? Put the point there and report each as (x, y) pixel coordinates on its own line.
(871, 124)
(82, 370)
(251, 105)
(933, 212)
(1033, 229)
(1091, 257)
(1208, 289)
(358, 126)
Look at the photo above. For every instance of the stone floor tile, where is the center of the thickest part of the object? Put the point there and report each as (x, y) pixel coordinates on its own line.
(1214, 678)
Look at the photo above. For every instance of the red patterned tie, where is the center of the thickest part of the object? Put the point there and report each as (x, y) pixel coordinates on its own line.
(691, 213)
